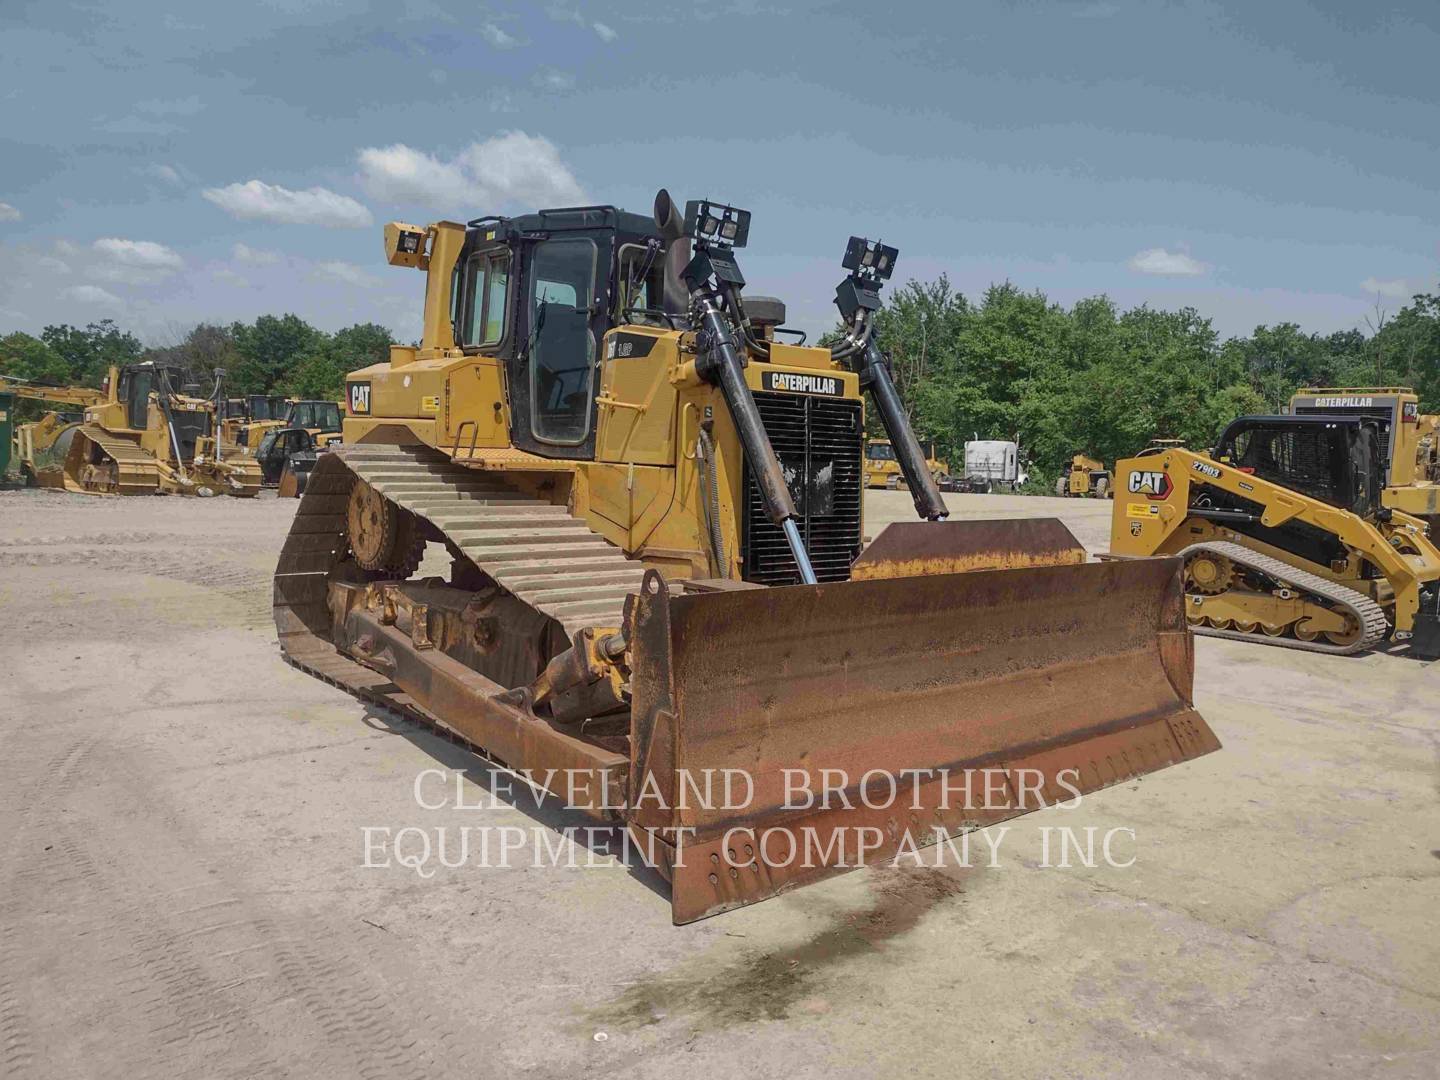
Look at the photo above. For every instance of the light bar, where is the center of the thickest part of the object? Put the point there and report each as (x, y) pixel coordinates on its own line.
(715, 224)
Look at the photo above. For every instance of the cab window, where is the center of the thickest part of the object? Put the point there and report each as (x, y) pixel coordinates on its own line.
(562, 345)
(486, 290)
(640, 283)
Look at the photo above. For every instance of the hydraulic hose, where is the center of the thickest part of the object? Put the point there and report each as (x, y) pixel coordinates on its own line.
(875, 376)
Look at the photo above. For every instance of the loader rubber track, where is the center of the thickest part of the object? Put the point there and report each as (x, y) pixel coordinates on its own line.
(137, 473)
(1370, 615)
(531, 548)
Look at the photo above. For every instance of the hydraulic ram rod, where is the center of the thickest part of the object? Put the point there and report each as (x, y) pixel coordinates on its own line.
(727, 370)
(875, 377)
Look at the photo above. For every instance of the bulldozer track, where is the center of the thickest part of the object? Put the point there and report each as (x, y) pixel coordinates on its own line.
(137, 473)
(531, 548)
(1367, 613)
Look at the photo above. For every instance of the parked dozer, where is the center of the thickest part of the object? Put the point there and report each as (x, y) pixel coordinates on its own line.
(1411, 441)
(653, 512)
(882, 467)
(155, 434)
(1285, 536)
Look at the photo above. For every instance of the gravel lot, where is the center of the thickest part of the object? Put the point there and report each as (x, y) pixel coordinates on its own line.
(184, 892)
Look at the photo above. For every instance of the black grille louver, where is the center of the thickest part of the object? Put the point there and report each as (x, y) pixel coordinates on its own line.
(818, 441)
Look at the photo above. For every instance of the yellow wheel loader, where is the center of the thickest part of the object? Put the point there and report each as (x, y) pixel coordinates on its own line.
(154, 433)
(1285, 536)
(1410, 439)
(653, 512)
(1086, 476)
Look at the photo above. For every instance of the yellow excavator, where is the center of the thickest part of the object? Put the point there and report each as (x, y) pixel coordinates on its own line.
(653, 507)
(1286, 536)
(1411, 440)
(155, 434)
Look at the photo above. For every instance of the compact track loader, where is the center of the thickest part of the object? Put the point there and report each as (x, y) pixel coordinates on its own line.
(150, 436)
(652, 507)
(1410, 438)
(1285, 536)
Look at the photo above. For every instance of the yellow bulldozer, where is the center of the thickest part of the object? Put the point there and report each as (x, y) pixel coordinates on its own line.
(1286, 536)
(653, 512)
(155, 434)
(882, 467)
(1411, 441)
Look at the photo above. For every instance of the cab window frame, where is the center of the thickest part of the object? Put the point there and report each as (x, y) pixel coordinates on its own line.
(476, 281)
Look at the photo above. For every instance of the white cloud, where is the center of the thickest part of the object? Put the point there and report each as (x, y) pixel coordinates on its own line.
(255, 256)
(1395, 288)
(54, 265)
(606, 34)
(497, 37)
(552, 79)
(1171, 263)
(167, 173)
(347, 273)
(92, 294)
(230, 277)
(141, 254)
(510, 168)
(65, 247)
(256, 200)
(8, 212)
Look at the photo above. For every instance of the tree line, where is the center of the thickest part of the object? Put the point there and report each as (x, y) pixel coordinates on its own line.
(1097, 380)
(276, 354)
(1088, 379)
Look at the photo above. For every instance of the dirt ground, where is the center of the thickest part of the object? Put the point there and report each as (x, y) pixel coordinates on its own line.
(183, 889)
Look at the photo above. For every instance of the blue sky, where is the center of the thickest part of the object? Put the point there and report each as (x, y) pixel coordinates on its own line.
(165, 163)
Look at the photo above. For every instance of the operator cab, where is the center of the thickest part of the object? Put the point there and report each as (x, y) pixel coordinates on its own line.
(539, 292)
(323, 416)
(1339, 460)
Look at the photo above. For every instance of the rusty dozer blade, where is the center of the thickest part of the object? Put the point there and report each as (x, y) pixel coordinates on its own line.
(1045, 681)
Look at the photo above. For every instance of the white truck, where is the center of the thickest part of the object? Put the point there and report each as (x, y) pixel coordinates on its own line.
(993, 465)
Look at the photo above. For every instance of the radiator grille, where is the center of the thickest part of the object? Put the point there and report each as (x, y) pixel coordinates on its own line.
(818, 441)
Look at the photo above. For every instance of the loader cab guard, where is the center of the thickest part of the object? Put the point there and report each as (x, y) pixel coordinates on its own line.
(1338, 460)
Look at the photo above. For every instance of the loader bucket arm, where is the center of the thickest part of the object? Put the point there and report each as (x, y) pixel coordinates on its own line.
(1048, 680)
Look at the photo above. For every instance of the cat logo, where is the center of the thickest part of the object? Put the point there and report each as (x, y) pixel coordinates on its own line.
(359, 399)
(1411, 412)
(1135, 527)
(1153, 485)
